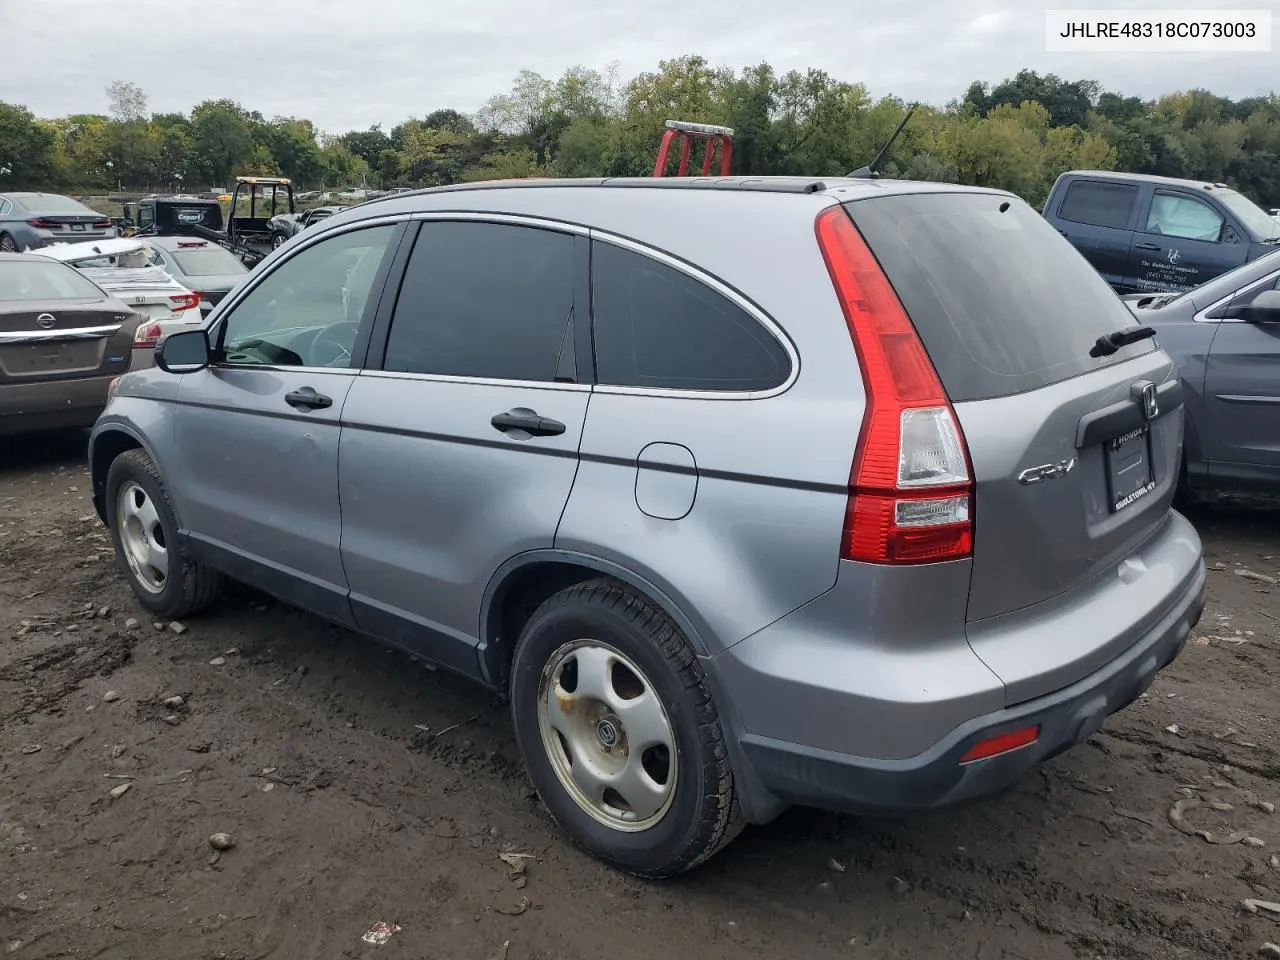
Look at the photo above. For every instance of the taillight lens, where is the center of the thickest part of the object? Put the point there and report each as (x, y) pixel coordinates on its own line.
(910, 487)
(101, 224)
(185, 301)
(147, 335)
(42, 224)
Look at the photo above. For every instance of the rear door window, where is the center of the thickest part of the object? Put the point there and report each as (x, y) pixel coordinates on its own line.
(659, 328)
(1099, 204)
(1002, 302)
(485, 300)
(1177, 215)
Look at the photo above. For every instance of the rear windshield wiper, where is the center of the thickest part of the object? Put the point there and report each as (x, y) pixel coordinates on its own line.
(1106, 345)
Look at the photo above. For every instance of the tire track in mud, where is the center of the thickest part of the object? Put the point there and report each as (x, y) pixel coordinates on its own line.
(49, 676)
(1268, 767)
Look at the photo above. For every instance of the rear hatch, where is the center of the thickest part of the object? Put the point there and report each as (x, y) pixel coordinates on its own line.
(1073, 467)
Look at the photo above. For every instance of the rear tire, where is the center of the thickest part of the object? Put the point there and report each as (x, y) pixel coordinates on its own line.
(144, 531)
(583, 753)
(7, 244)
(278, 240)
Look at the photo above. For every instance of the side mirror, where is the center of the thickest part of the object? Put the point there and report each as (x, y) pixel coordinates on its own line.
(184, 352)
(1265, 308)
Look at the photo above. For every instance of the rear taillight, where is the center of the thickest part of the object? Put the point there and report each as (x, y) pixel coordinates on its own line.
(910, 488)
(101, 224)
(42, 224)
(147, 335)
(185, 301)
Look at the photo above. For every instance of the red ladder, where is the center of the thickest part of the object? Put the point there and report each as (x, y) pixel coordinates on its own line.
(688, 132)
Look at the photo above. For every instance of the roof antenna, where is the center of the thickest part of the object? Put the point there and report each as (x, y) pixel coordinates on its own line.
(872, 170)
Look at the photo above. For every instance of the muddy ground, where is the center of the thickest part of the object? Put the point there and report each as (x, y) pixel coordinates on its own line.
(360, 787)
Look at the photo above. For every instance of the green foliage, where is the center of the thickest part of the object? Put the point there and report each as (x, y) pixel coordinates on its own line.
(1019, 134)
(26, 148)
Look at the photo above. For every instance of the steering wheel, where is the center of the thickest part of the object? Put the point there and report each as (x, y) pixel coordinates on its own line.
(331, 347)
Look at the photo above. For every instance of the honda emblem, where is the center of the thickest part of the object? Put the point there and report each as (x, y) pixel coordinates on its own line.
(1150, 401)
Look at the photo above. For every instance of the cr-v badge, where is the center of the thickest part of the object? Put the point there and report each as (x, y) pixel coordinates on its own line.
(1047, 471)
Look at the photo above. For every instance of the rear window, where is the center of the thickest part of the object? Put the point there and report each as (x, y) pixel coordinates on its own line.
(47, 280)
(1099, 204)
(54, 203)
(1003, 303)
(208, 261)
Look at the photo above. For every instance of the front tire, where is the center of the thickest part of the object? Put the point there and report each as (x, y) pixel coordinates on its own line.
(144, 531)
(278, 240)
(619, 732)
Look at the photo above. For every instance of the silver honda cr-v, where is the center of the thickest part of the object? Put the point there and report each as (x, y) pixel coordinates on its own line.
(747, 492)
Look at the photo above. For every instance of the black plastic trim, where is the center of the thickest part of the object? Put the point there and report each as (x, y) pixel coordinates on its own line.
(1119, 418)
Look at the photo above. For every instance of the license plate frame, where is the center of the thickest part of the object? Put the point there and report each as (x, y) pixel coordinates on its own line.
(79, 226)
(1130, 468)
(54, 358)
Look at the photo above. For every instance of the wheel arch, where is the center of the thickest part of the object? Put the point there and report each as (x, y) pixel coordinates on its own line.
(521, 584)
(108, 442)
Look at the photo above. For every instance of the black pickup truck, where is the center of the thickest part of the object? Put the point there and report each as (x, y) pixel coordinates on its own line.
(1157, 234)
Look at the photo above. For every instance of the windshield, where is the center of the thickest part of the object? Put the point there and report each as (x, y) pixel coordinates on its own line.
(208, 261)
(36, 280)
(1255, 219)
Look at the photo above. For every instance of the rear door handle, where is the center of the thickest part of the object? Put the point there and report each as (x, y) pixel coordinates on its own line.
(306, 398)
(1146, 246)
(528, 421)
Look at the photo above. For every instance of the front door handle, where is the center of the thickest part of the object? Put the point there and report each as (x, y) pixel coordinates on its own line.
(1147, 246)
(306, 398)
(527, 420)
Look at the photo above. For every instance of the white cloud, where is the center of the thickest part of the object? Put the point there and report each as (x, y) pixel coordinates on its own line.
(350, 65)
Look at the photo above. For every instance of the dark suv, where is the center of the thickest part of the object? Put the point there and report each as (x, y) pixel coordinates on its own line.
(748, 492)
(1156, 234)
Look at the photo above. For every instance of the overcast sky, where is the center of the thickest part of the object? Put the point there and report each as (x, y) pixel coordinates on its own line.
(352, 64)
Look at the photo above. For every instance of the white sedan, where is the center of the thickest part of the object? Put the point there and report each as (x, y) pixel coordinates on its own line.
(122, 268)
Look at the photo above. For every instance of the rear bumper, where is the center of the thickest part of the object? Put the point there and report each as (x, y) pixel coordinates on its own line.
(52, 405)
(936, 778)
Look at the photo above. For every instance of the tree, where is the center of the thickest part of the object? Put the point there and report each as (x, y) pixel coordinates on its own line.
(367, 144)
(1067, 102)
(126, 101)
(1018, 133)
(294, 148)
(26, 148)
(222, 139)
